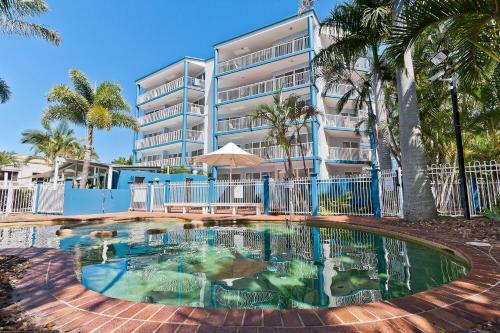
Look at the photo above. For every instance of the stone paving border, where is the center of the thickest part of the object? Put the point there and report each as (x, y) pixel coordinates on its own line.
(50, 291)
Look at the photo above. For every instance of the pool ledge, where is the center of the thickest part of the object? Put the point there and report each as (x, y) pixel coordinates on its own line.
(51, 293)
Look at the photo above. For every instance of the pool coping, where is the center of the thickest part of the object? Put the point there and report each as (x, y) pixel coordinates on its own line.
(50, 291)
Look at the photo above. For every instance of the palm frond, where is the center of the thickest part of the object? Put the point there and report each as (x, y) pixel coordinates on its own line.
(82, 85)
(22, 8)
(28, 29)
(108, 95)
(4, 91)
(124, 120)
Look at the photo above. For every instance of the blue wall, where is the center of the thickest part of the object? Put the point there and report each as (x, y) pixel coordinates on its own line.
(122, 178)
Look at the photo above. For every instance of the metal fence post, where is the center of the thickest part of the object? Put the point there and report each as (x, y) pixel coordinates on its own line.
(36, 198)
(151, 197)
(211, 190)
(265, 194)
(10, 198)
(375, 192)
(314, 194)
(167, 191)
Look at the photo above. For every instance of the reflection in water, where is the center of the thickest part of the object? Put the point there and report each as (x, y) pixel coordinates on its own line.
(250, 266)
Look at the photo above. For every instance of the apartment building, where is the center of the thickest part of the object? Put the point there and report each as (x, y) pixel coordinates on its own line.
(247, 71)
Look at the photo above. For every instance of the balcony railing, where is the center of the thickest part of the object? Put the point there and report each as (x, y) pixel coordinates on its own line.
(267, 86)
(344, 121)
(171, 161)
(169, 112)
(165, 88)
(340, 90)
(349, 154)
(240, 123)
(269, 53)
(159, 139)
(277, 152)
(194, 135)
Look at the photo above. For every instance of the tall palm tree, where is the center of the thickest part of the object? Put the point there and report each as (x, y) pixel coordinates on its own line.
(102, 107)
(7, 157)
(356, 28)
(53, 142)
(471, 27)
(280, 116)
(122, 160)
(13, 15)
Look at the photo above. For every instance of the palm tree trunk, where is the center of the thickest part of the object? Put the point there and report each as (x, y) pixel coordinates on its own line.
(289, 173)
(384, 153)
(87, 157)
(418, 202)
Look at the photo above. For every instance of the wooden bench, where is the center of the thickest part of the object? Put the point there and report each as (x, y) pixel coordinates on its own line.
(234, 206)
(204, 206)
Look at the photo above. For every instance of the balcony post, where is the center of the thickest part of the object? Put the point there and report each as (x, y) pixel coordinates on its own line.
(215, 111)
(265, 194)
(184, 114)
(313, 92)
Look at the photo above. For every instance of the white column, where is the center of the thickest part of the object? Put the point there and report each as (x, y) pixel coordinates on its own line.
(110, 177)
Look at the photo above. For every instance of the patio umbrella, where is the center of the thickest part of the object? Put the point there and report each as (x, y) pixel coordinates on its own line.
(230, 155)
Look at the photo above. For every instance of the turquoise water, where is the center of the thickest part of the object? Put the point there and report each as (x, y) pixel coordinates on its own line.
(245, 266)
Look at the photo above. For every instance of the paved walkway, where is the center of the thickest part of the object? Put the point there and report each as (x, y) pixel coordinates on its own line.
(50, 291)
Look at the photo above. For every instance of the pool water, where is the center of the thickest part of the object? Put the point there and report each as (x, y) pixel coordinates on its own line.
(254, 265)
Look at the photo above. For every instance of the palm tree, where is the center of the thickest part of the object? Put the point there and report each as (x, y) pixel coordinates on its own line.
(280, 116)
(12, 22)
(122, 160)
(101, 108)
(53, 142)
(7, 157)
(356, 28)
(471, 27)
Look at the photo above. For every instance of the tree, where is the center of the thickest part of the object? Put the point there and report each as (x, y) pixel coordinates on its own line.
(53, 142)
(101, 108)
(122, 160)
(7, 157)
(471, 28)
(280, 116)
(356, 28)
(13, 14)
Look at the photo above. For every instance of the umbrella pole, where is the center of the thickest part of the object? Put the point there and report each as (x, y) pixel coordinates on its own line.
(231, 184)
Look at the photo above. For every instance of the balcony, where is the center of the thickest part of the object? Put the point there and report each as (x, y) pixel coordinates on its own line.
(169, 137)
(168, 87)
(169, 112)
(349, 154)
(277, 152)
(340, 90)
(267, 54)
(240, 123)
(339, 121)
(268, 86)
(172, 161)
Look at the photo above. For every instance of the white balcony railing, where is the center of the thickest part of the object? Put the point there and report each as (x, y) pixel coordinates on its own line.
(277, 152)
(344, 121)
(267, 86)
(165, 88)
(169, 112)
(240, 123)
(194, 135)
(168, 137)
(349, 154)
(269, 53)
(340, 90)
(171, 161)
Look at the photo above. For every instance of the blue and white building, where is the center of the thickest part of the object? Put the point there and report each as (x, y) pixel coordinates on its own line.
(193, 106)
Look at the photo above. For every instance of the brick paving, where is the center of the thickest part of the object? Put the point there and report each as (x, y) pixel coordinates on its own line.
(50, 292)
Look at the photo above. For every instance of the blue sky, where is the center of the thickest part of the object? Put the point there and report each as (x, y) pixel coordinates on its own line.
(119, 40)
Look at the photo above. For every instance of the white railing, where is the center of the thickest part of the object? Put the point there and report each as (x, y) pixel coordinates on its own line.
(240, 123)
(188, 192)
(340, 90)
(174, 161)
(267, 86)
(196, 108)
(195, 82)
(238, 191)
(16, 197)
(269, 53)
(345, 196)
(139, 197)
(159, 139)
(51, 198)
(391, 193)
(277, 152)
(160, 114)
(344, 121)
(160, 90)
(290, 196)
(483, 187)
(194, 135)
(349, 154)
(157, 197)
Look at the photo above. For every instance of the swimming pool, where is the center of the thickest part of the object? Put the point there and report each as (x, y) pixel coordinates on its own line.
(252, 265)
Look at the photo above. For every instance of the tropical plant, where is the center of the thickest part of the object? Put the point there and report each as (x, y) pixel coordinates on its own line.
(52, 142)
(356, 28)
(122, 160)
(7, 157)
(280, 115)
(13, 15)
(102, 107)
(471, 28)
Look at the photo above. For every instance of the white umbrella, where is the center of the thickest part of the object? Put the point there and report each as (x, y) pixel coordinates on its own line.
(230, 155)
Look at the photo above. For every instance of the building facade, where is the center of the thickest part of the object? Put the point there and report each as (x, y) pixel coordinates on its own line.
(245, 72)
